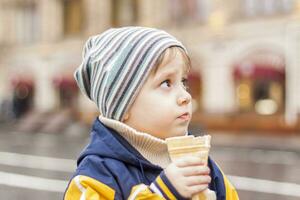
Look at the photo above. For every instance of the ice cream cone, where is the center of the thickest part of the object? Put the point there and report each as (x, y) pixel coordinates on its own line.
(193, 146)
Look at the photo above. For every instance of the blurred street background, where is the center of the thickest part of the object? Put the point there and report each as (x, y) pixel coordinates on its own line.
(244, 82)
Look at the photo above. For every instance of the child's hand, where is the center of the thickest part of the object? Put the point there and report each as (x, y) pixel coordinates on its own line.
(188, 175)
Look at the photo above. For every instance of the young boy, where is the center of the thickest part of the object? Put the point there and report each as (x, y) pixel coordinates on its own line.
(137, 78)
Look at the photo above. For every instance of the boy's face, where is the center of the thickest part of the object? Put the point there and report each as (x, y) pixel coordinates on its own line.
(163, 106)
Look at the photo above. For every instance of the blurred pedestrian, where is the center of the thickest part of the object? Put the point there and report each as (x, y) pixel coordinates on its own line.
(22, 98)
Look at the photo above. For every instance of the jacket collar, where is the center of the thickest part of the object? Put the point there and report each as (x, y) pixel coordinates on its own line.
(151, 148)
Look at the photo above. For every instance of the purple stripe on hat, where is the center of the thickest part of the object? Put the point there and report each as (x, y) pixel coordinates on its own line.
(124, 79)
(143, 77)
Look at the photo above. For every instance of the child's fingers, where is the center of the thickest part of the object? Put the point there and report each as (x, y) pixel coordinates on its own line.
(195, 170)
(196, 189)
(198, 180)
(189, 161)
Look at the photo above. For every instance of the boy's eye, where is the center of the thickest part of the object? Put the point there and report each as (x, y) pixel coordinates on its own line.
(184, 83)
(166, 83)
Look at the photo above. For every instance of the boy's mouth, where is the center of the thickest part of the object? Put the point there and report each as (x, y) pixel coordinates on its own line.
(185, 116)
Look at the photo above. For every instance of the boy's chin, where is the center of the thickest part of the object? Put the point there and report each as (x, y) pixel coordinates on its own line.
(177, 133)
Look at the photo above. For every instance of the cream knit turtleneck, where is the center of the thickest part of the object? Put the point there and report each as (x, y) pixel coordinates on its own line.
(152, 148)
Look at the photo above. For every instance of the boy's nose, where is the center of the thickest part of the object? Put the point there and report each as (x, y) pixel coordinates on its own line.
(184, 99)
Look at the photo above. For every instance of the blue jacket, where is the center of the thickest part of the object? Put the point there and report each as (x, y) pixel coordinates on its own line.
(110, 168)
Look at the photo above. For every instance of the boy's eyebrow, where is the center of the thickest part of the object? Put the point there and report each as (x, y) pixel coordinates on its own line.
(167, 73)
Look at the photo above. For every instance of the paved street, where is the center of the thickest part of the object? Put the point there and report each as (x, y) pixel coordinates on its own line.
(38, 165)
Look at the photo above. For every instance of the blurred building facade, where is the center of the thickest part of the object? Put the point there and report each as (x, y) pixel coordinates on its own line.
(245, 54)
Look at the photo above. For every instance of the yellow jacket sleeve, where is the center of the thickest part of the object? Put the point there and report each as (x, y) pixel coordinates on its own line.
(86, 188)
(231, 193)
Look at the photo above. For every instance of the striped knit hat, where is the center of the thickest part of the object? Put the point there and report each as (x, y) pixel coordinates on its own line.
(116, 64)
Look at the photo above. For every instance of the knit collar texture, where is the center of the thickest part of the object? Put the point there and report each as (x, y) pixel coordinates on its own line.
(151, 148)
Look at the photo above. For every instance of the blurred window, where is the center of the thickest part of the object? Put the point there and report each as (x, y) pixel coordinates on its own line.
(260, 85)
(124, 12)
(28, 23)
(190, 11)
(73, 17)
(21, 23)
(256, 8)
